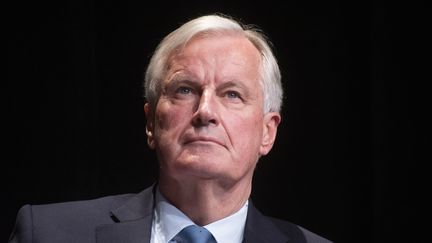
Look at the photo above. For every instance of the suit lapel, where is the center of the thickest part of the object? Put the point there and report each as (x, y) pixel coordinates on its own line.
(137, 231)
(260, 229)
(133, 221)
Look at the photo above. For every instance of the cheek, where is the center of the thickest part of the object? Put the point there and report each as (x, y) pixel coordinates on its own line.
(165, 117)
(165, 120)
(246, 132)
(169, 120)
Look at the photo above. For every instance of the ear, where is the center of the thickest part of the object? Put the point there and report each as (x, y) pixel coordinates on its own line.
(270, 124)
(149, 113)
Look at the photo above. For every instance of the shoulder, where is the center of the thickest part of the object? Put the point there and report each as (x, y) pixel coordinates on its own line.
(298, 231)
(262, 228)
(76, 217)
(95, 208)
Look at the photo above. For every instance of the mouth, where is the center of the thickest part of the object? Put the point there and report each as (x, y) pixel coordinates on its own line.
(203, 140)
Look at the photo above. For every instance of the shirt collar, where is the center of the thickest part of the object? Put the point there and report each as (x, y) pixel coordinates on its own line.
(171, 221)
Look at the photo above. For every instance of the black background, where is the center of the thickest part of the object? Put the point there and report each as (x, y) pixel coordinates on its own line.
(349, 161)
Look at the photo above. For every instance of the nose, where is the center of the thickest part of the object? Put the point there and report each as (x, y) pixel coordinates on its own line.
(206, 112)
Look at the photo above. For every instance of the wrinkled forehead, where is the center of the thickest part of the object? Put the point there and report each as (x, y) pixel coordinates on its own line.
(205, 37)
(227, 53)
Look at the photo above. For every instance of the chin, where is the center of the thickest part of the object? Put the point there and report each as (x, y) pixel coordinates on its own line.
(199, 167)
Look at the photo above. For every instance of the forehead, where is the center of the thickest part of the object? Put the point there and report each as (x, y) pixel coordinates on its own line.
(218, 54)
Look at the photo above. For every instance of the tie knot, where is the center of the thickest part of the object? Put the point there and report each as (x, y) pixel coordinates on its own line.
(194, 234)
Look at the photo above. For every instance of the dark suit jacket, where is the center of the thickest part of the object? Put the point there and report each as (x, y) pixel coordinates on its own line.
(128, 218)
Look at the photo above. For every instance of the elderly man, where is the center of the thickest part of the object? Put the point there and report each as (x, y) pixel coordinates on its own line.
(214, 94)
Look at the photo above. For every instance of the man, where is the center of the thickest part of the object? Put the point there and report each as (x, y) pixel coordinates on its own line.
(214, 94)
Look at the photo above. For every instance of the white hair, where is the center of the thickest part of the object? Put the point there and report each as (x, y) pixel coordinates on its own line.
(270, 74)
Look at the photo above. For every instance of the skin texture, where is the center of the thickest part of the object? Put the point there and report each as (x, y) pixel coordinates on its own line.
(208, 127)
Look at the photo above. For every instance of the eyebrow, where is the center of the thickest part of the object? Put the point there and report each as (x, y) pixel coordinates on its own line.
(231, 84)
(181, 78)
(189, 79)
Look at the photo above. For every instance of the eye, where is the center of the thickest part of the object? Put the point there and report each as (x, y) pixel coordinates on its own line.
(232, 95)
(184, 90)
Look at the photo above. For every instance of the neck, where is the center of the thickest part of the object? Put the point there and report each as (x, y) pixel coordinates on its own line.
(205, 201)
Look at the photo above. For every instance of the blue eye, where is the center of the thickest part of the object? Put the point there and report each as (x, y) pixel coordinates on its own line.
(232, 95)
(184, 90)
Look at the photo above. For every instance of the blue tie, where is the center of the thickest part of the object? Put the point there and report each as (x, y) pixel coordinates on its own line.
(193, 234)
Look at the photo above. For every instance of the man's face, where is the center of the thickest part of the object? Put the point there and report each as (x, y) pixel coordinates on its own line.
(208, 122)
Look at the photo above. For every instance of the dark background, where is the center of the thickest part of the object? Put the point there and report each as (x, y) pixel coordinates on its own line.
(349, 161)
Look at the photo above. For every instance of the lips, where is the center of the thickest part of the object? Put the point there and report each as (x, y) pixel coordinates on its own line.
(202, 139)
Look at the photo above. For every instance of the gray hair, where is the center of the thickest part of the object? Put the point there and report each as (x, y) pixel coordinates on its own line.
(270, 73)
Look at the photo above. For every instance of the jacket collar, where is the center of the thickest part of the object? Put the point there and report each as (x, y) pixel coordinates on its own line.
(133, 221)
(262, 229)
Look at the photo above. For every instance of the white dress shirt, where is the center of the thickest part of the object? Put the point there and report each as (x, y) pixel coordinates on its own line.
(168, 221)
